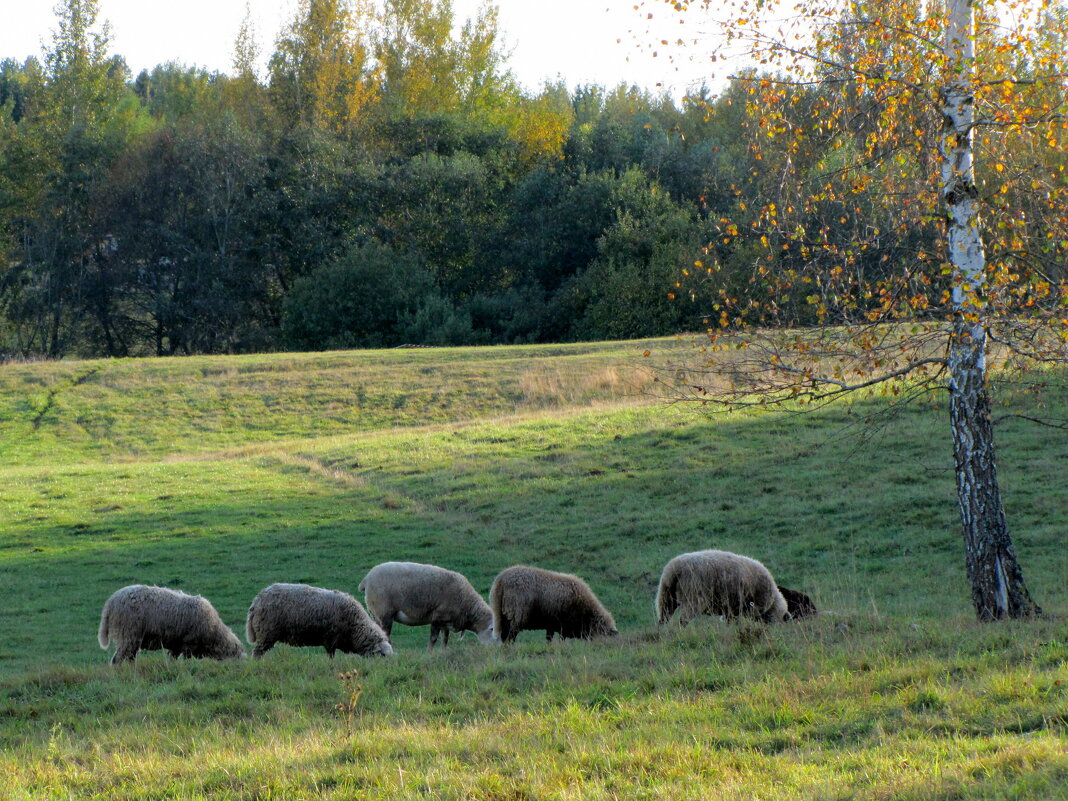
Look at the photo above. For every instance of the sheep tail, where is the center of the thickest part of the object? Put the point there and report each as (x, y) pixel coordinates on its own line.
(102, 635)
(666, 603)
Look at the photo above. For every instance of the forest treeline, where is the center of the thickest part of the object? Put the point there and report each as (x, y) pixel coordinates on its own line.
(387, 181)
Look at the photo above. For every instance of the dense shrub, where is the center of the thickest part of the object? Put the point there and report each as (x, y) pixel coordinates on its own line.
(370, 296)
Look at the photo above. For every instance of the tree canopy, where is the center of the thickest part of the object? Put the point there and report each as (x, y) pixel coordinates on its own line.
(187, 211)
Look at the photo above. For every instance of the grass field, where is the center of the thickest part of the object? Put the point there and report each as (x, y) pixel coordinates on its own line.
(221, 475)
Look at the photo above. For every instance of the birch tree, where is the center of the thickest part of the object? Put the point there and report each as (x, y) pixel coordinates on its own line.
(322, 69)
(864, 123)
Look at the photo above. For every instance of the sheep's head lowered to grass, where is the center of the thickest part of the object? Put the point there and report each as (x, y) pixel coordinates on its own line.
(301, 615)
(718, 583)
(419, 595)
(142, 617)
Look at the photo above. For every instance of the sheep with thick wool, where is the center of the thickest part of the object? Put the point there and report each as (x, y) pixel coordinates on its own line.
(718, 583)
(417, 595)
(302, 615)
(532, 598)
(146, 618)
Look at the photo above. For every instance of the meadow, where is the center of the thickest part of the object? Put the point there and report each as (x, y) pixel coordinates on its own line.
(220, 475)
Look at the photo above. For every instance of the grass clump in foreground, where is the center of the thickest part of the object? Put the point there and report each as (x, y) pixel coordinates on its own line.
(895, 694)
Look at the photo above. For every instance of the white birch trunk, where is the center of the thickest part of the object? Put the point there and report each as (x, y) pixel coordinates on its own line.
(998, 589)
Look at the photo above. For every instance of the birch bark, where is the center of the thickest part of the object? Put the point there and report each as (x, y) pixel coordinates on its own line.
(998, 589)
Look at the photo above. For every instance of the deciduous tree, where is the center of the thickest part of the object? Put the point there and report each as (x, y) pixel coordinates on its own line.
(911, 216)
(322, 70)
(59, 150)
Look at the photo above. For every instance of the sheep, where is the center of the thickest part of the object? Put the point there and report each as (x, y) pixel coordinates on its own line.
(297, 614)
(718, 583)
(140, 617)
(798, 604)
(415, 595)
(531, 598)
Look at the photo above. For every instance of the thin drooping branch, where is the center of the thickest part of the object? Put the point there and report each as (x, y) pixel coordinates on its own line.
(760, 39)
(1061, 424)
(771, 367)
(754, 383)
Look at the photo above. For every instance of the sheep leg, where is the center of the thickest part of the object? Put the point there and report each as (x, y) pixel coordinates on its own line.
(445, 642)
(387, 627)
(433, 636)
(506, 634)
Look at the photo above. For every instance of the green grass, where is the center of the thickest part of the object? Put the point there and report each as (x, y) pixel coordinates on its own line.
(222, 475)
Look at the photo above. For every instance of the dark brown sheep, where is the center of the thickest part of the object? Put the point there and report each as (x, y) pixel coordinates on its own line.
(531, 598)
(798, 604)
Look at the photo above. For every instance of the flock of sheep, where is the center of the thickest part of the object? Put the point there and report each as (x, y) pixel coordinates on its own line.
(141, 617)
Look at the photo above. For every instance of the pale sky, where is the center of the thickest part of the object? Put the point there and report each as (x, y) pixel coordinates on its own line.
(581, 41)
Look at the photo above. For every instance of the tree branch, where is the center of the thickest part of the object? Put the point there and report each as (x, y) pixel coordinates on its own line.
(1062, 424)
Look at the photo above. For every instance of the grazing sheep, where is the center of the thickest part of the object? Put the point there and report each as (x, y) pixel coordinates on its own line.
(146, 618)
(417, 595)
(798, 604)
(718, 583)
(532, 598)
(298, 614)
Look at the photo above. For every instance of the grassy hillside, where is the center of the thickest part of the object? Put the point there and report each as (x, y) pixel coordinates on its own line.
(221, 475)
(155, 408)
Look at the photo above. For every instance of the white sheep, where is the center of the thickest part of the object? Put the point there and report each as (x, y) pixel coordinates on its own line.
(298, 614)
(417, 595)
(141, 617)
(718, 583)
